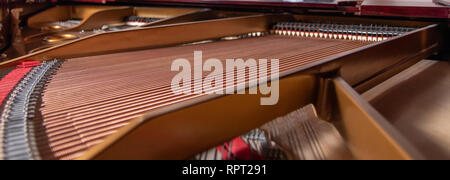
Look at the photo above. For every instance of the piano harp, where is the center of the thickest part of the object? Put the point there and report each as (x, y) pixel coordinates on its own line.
(93, 81)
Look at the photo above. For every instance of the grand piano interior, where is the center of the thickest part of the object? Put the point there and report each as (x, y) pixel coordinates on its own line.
(358, 79)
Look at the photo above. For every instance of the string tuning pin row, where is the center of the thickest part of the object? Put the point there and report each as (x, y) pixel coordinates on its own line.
(360, 32)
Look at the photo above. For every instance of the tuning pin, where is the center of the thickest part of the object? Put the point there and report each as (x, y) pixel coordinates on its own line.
(277, 29)
(330, 32)
(293, 29)
(335, 33)
(289, 30)
(302, 30)
(307, 30)
(325, 31)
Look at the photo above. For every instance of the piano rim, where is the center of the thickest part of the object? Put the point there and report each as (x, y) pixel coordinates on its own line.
(325, 73)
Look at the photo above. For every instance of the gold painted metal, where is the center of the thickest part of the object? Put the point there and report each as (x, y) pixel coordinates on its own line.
(162, 133)
(84, 12)
(150, 37)
(169, 15)
(219, 118)
(425, 38)
(56, 27)
(182, 130)
(368, 134)
(40, 48)
(49, 21)
(68, 36)
(34, 39)
(58, 13)
(59, 38)
(100, 18)
(200, 15)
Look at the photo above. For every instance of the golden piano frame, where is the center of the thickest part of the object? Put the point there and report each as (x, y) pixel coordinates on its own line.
(333, 85)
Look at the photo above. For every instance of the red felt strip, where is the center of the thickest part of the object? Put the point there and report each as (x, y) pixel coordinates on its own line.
(240, 150)
(8, 82)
